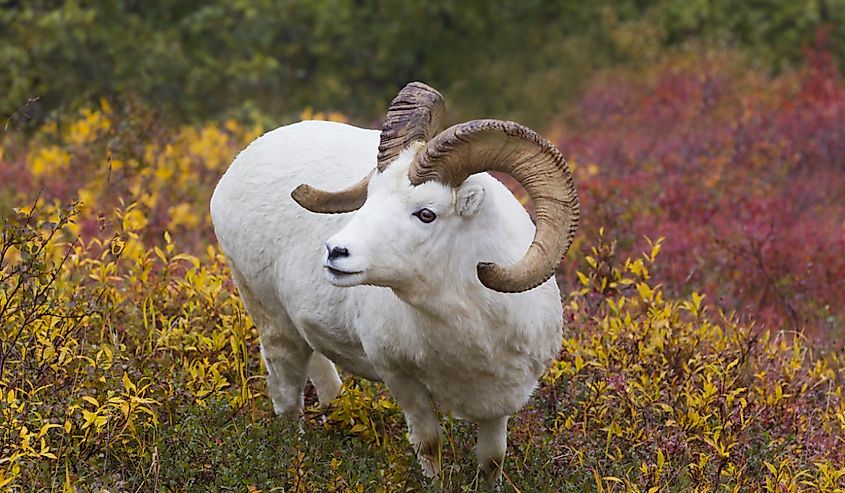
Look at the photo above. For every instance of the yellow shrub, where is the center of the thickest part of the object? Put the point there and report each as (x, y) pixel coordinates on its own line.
(50, 160)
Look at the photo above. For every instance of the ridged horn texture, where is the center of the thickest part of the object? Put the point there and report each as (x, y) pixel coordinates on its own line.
(414, 115)
(508, 147)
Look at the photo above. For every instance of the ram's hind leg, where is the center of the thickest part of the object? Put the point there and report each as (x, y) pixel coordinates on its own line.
(284, 351)
(286, 357)
(324, 377)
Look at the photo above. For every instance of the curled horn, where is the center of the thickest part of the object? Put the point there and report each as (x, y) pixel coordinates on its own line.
(496, 145)
(414, 115)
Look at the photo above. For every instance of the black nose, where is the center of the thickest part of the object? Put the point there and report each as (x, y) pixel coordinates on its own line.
(337, 252)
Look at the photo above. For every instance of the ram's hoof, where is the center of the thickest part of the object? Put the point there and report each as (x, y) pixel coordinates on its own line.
(491, 470)
(428, 455)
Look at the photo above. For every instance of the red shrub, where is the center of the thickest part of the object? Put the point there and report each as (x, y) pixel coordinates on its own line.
(744, 176)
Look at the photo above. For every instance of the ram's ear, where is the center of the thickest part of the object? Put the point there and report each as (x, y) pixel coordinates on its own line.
(468, 199)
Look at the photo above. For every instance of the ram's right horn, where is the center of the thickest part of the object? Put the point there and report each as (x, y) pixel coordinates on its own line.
(508, 147)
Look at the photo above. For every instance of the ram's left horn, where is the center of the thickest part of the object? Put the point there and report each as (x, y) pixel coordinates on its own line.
(414, 116)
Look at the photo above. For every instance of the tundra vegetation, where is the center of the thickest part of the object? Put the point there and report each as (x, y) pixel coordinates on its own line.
(705, 304)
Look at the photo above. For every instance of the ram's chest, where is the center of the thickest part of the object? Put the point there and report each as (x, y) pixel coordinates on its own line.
(476, 373)
(484, 383)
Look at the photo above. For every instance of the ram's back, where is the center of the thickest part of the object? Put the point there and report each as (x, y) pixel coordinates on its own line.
(274, 246)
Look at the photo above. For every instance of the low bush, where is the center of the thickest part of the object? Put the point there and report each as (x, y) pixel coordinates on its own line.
(138, 370)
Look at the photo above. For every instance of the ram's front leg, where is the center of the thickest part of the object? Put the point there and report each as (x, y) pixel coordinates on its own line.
(423, 426)
(490, 448)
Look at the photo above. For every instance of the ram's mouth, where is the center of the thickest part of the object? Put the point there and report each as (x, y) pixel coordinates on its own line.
(340, 273)
(343, 278)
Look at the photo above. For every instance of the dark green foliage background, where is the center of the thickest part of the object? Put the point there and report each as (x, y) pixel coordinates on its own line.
(270, 59)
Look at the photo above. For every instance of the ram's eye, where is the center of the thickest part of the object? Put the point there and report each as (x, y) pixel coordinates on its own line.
(425, 215)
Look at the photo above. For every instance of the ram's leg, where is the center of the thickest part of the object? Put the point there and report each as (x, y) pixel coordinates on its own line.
(423, 426)
(324, 377)
(286, 357)
(284, 351)
(492, 442)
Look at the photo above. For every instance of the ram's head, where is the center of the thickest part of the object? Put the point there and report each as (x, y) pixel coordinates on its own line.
(422, 188)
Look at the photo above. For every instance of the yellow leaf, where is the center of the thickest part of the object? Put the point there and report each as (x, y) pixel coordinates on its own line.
(67, 487)
(771, 468)
(696, 299)
(89, 418)
(91, 400)
(160, 254)
(127, 384)
(4, 481)
(46, 428)
(598, 480)
(645, 291)
(581, 277)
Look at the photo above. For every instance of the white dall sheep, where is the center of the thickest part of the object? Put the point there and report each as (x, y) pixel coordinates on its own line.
(434, 286)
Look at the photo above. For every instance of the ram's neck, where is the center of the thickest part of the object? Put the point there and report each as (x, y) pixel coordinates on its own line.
(485, 322)
(463, 301)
